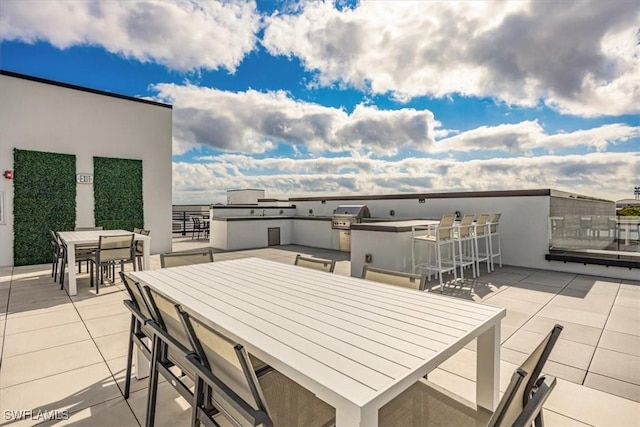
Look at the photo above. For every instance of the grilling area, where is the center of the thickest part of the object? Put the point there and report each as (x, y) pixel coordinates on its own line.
(343, 218)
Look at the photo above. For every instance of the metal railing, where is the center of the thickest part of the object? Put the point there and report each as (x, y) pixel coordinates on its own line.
(183, 224)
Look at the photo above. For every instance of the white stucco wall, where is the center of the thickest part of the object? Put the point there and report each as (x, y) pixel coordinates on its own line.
(315, 233)
(244, 197)
(247, 234)
(46, 117)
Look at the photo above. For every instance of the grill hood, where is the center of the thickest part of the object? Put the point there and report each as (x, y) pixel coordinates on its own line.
(359, 211)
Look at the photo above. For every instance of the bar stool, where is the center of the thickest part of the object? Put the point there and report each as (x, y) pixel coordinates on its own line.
(494, 233)
(481, 232)
(439, 237)
(463, 234)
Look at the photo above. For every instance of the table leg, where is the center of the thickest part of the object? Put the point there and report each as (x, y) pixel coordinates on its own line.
(146, 254)
(141, 363)
(354, 416)
(72, 287)
(488, 368)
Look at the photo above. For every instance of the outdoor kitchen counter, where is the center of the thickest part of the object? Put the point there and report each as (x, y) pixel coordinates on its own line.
(393, 226)
(388, 243)
(257, 231)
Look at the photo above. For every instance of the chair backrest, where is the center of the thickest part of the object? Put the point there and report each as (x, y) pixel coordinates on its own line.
(321, 264)
(176, 259)
(229, 362)
(54, 237)
(445, 227)
(136, 295)
(139, 243)
(510, 403)
(89, 228)
(116, 248)
(481, 225)
(390, 277)
(533, 410)
(493, 223)
(465, 226)
(165, 313)
(532, 367)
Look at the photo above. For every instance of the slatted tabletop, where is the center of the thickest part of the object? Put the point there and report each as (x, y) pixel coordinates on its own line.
(350, 341)
(90, 236)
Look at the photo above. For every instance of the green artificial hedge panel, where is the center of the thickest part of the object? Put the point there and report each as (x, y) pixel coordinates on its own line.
(44, 198)
(117, 191)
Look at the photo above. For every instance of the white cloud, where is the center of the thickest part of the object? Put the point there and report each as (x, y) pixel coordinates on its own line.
(578, 57)
(183, 35)
(528, 135)
(255, 122)
(603, 175)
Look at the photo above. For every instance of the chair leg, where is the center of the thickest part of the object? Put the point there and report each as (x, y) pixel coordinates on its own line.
(54, 269)
(64, 263)
(198, 401)
(153, 384)
(91, 275)
(127, 383)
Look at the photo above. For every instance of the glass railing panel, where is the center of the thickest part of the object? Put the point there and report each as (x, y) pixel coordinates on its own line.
(594, 233)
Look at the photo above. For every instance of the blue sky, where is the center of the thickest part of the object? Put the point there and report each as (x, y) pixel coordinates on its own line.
(312, 97)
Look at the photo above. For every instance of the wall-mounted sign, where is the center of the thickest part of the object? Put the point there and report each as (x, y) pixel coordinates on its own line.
(84, 178)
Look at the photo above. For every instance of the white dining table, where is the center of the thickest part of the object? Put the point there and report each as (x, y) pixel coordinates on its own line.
(72, 238)
(354, 343)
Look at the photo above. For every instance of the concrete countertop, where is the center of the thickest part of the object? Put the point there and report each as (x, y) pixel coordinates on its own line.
(398, 226)
(269, 217)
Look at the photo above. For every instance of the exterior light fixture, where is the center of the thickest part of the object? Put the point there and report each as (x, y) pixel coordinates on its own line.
(8, 174)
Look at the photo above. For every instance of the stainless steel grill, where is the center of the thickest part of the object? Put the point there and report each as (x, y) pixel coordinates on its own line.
(342, 219)
(346, 215)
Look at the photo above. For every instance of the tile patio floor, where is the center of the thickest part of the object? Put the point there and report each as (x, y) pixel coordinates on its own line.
(68, 353)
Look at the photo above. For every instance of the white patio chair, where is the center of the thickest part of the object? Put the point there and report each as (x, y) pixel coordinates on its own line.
(170, 348)
(327, 265)
(425, 403)
(177, 259)
(397, 278)
(112, 250)
(494, 239)
(440, 238)
(140, 334)
(227, 382)
(139, 246)
(463, 234)
(481, 234)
